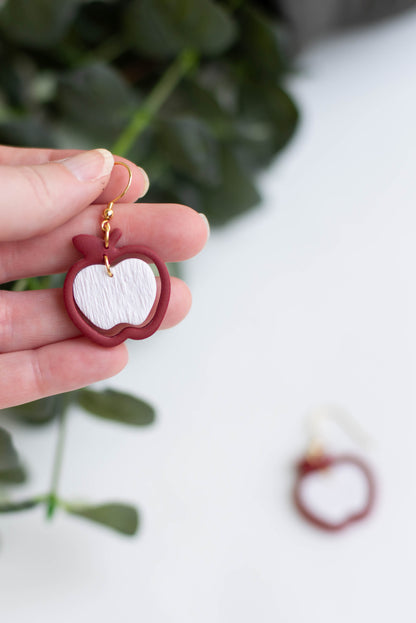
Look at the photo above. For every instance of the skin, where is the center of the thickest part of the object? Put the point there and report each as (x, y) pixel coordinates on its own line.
(44, 205)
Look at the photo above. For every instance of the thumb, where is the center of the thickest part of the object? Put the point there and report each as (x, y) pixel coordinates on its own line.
(36, 199)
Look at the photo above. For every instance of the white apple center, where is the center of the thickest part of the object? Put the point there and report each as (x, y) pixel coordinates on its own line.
(125, 298)
(337, 493)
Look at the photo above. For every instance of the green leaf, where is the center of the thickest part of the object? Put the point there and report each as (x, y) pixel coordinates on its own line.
(13, 476)
(97, 24)
(97, 100)
(30, 131)
(258, 47)
(40, 411)
(14, 507)
(266, 120)
(190, 147)
(37, 23)
(236, 193)
(11, 84)
(120, 517)
(9, 458)
(203, 103)
(164, 28)
(117, 406)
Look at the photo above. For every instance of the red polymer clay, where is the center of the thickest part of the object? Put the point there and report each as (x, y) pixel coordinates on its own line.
(93, 250)
(308, 466)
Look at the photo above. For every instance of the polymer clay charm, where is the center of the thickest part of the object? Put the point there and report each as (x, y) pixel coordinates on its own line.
(341, 506)
(322, 463)
(112, 293)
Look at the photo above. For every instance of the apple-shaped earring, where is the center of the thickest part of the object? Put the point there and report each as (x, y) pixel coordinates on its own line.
(344, 488)
(112, 293)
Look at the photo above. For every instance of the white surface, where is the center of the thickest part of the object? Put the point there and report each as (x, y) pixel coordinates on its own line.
(332, 258)
(126, 297)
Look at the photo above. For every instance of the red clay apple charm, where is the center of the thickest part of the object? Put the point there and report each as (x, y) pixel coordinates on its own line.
(127, 304)
(310, 465)
(112, 293)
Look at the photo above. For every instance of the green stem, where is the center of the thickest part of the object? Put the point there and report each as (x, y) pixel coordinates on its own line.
(183, 63)
(57, 464)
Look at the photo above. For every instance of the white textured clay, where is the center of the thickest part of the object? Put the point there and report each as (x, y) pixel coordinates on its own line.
(127, 297)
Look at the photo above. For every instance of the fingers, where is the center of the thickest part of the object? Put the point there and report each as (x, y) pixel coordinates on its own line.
(58, 366)
(32, 319)
(15, 156)
(173, 231)
(61, 367)
(45, 196)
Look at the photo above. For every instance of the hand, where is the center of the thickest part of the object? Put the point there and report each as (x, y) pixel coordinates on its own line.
(47, 197)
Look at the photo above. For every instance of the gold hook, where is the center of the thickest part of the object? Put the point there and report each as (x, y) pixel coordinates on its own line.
(126, 166)
(108, 213)
(344, 419)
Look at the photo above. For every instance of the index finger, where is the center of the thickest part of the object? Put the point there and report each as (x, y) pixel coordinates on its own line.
(15, 156)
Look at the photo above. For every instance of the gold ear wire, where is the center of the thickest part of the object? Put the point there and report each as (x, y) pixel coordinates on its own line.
(126, 166)
(344, 419)
(108, 213)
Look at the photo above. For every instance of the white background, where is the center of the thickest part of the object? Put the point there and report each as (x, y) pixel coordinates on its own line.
(309, 299)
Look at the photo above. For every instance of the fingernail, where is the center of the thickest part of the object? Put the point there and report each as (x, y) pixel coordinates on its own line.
(146, 182)
(90, 165)
(206, 223)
